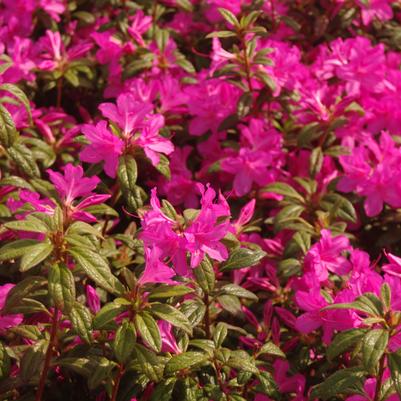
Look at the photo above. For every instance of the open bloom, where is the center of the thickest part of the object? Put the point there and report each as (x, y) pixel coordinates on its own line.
(327, 256)
(200, 237)
(72, 185)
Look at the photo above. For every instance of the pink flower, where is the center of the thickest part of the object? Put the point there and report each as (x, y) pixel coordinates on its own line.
(128, 114)
(139, 127)
(52, 52)
(92, 299)
(311, 302)
(139, 25)
(169, 344)
(71, 185)
(201, 236)
(373, 170)
(375, 9)
(210, 102)
(7, 321)
(394, 267)
(258, 158)
(327, 256)
(155, 270)
(104, 146)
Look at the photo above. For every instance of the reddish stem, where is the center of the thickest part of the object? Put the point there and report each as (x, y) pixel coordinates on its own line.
(117, 383)
(48, 357)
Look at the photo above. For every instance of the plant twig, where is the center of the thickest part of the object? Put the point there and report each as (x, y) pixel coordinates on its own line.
(48, 357)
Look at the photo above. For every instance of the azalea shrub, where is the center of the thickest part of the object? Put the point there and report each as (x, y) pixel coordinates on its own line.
(200, 200)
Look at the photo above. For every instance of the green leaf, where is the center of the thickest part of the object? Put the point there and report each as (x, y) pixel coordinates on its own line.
(268, 385)
(344, 341)
(127, 172)
(385, 295)
(367, 303)
(124, 341)
(32, 360)
(169, 210)
(340, 206)
(267, 80)
(95, 267)
(163, 391)
(221, 34)
(284, 189)
(23, 289)
(16, 182)
(343, 382)
(242, 257)
(30, 224)
(5, 362)
(61, 287)
(107, 314)
(36, 255)
(163, 166)
(19, 94)
(149, 331)
(220, 334)
(24, 159)
(147, 362)
(17, 248)
(244, 105)
(238, 291)
(394, 360)
(316, 161)
(194, 310)
(100, 371)
(229, 17)
(81, 320)
(204, 275)
(186, 5)
(241, 361)
(374, 344)
(8, 132)
(168, 291)
(185, 360)
(80, 227)
(271, 349)
(230, 303)
(171, 315)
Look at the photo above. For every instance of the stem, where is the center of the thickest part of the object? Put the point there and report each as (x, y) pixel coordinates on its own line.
(246, 62)
(207, 315)
(117, 383)
(379, 379)
(48, 357)
(59, 91)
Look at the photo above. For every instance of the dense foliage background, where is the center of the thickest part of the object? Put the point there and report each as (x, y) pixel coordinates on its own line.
(200, 200)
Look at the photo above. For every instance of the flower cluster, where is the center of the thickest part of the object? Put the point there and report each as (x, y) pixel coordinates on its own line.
(200, 200)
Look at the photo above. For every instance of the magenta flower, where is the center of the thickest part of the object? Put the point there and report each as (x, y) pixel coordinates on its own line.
(169, 344)
(210, 102)
(139, 25)
(201, 237)
(155, 270)
(258, 158)
(373, 170)
(7, 321)
(72, 185)
(128, 114)
(375, 9)
(92, 299)
(394, 267)
(104, 146)
(53, 54)
(327, 256)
